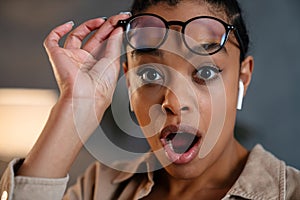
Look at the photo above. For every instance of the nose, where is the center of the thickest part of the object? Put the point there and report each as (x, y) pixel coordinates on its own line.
(179, 94)
(173, 104)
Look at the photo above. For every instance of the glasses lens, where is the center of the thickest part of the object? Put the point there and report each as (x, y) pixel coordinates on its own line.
(145, 32)
(205, 36)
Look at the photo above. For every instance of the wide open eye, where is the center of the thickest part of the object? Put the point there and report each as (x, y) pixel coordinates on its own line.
(149, 74)
(206, 73)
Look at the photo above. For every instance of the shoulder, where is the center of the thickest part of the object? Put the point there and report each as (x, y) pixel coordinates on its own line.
(96, 182)
(288, 178)
(267, 177)
(103, 182)
(292, 182)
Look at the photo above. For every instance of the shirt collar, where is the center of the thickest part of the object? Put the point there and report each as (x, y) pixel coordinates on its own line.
(262, 178)
(143, 163)
(263, 172)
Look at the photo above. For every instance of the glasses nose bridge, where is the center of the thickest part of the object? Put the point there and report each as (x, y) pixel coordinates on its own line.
(174, 23)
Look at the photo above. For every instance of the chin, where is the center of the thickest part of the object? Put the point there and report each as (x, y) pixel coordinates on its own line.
(185, 172)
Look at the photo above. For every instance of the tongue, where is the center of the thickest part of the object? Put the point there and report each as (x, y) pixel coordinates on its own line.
(182, 142)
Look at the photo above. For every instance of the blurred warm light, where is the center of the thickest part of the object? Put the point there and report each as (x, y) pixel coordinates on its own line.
(23, 113)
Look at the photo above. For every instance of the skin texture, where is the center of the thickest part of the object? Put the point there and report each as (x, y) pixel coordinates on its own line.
(86, 78)
(212, 176)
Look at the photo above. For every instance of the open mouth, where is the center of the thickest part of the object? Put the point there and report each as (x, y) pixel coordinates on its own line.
(181, 144)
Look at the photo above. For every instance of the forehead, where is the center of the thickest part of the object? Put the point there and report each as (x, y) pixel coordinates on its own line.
(185, 10)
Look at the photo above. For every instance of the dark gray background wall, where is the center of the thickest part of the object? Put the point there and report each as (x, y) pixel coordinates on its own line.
(271, 109)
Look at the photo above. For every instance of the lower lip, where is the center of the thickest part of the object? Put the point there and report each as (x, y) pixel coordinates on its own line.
(183, 158)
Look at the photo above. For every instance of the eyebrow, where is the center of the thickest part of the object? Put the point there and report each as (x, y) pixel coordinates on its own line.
(159, 53)
(190, 54)
(152, 52)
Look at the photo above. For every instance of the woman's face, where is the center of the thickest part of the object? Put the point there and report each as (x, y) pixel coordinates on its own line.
(185, 103)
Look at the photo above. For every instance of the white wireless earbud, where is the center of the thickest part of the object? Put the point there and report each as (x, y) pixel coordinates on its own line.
(240, 95)
(129, 97)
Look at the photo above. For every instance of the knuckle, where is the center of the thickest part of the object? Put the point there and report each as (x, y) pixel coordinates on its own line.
(75, 34)
(112, 20)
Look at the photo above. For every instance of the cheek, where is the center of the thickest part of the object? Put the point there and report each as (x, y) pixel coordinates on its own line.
(231, 104)
(230, 75)
(212, 109)
(147, 108)
(141, 108)
(230, 81)
(150, 117)
(203, 109)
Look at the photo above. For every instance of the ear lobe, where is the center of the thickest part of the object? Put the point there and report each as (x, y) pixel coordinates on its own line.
(246, 72)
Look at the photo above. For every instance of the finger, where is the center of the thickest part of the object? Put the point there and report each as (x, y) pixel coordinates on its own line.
(112, 55)
(56, 34)
(114, 44)
(75, 38)
(103, 33)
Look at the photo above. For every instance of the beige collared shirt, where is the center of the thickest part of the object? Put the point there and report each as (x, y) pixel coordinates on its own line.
(263, 178)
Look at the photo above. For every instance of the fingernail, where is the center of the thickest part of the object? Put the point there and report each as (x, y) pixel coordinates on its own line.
(126, 13)
(105, 18)
(70, 22)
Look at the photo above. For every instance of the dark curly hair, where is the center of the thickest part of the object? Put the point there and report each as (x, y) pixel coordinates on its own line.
(231, 8)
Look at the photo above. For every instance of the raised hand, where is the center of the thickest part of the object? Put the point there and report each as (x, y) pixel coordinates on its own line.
(86, 74)
(90, 70)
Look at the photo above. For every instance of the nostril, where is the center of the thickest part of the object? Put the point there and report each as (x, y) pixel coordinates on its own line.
(173, 110)
(168, 110)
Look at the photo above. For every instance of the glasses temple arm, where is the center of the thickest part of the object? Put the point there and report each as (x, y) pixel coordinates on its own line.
(240, 41)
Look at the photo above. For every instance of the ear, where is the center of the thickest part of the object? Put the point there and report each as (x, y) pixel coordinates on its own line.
(125, 68)
(246, 72)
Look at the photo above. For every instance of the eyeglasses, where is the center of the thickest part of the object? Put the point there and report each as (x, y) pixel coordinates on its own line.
(203, 35)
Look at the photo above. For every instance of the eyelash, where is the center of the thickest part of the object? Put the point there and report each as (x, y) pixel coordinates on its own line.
(143, 72)
(213, 69)
(159, 77)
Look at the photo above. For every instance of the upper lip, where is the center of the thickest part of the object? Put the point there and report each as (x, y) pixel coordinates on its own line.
(167, 130)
